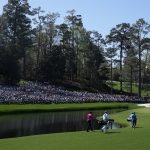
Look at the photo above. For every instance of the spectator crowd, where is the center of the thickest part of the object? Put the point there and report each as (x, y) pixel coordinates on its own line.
(43, 93)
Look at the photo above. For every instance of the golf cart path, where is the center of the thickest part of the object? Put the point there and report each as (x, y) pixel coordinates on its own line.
(145, 105)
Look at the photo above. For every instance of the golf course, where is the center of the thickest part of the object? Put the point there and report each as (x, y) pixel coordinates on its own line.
(74, 75)
(124, 138)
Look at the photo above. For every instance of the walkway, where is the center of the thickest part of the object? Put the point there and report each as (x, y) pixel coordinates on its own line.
(145, 105)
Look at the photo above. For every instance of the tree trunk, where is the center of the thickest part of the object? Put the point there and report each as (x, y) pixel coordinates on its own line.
(24, 66)
(121, 49)
(139, 87)
(131, 80)
(111, 77)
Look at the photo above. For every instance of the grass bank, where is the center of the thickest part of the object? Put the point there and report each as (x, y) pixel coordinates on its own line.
(126, 87)
(117, 139)
(6, 109)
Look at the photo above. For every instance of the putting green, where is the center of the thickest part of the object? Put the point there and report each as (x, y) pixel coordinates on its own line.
(116, 139)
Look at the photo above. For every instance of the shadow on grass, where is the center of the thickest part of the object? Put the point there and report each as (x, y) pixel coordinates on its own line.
(112, 132)
(138, 127)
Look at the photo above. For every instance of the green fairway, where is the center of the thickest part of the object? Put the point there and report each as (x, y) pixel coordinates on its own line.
(116, 139)
(4, 109)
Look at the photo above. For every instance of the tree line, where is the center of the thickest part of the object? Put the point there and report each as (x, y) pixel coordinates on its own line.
(33, 46)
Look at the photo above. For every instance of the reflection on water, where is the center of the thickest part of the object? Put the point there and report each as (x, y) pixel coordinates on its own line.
(41, 123)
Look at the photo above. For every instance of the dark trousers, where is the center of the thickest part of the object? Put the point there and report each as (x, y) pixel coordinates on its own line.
(89, 125)
(133, 123)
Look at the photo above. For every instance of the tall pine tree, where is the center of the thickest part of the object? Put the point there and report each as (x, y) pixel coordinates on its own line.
(18, 30)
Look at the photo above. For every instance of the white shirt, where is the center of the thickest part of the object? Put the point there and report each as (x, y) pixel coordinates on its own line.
(105, 117)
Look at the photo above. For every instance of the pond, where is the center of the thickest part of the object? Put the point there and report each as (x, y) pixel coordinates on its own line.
(50, 122)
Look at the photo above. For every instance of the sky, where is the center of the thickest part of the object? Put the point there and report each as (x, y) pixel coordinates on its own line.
(98, 15)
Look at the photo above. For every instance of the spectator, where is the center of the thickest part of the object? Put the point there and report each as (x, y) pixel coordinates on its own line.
(41, 93)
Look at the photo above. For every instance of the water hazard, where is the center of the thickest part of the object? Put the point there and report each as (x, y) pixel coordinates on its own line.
(42, 123)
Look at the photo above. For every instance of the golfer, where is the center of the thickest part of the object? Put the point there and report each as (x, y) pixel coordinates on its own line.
(89, 119)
